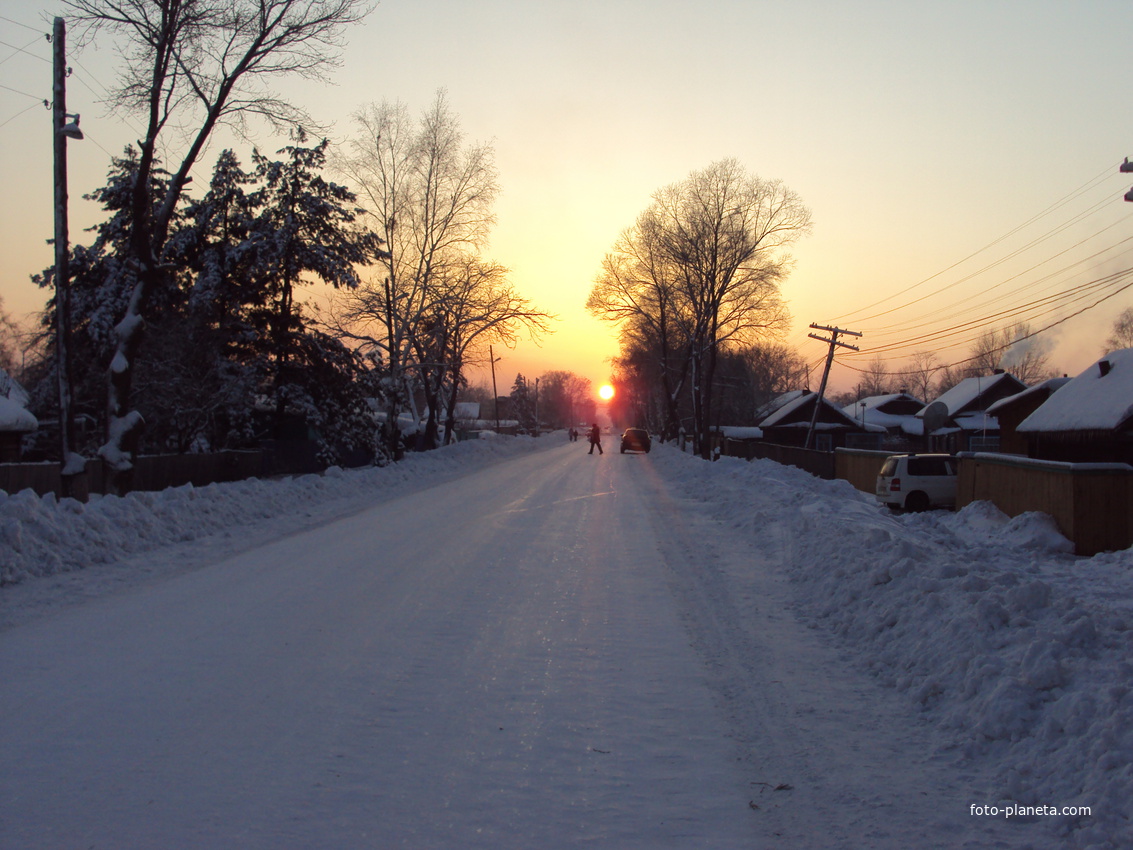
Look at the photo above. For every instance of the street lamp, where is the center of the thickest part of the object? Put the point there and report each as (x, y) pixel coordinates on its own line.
(71, 131)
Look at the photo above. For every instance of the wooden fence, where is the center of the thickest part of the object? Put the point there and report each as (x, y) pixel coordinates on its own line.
(860, 467)
(157, 472)
(1092, 503)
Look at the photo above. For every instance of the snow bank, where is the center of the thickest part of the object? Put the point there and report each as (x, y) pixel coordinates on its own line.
(44, 536)
(1017, 651)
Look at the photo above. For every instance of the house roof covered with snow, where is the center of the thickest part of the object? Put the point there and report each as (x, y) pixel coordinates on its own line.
(970, 391)
(1045, 388)
(876, 412)
(14, 415)
(1099, 399)
(792, 402)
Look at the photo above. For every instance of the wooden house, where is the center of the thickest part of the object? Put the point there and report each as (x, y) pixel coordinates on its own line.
(786, 420)
(1090, 418)
(959, 420)
(1011, 411)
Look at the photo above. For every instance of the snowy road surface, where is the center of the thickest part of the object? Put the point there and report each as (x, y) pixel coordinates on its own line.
(548, 652)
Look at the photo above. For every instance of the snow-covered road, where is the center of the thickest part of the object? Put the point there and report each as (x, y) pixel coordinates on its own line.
(551, 651)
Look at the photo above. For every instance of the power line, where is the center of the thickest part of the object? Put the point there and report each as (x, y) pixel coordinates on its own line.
(25, 26)
(21, 112)
(1085, 187)
(1028, 286)
(1101, 205)
(23, 50)
(1125, 278)
(1058, 300)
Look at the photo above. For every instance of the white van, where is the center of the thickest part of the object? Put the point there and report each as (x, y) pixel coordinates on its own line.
(917, 482)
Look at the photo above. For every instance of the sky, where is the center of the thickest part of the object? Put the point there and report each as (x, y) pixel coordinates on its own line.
(960, 159)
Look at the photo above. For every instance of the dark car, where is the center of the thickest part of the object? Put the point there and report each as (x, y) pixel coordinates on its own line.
(636, 440)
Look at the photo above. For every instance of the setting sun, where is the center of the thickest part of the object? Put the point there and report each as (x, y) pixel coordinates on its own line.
(606, 392)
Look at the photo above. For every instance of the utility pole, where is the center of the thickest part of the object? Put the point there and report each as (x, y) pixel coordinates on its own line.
(72, 464)
(1127, 168)
(834, 343)
(495, 395)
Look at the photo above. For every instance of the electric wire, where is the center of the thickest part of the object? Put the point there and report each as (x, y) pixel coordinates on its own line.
(972, 313)
(1028, 286)
(1019, 339)
(1085, 187)
(1059, 299)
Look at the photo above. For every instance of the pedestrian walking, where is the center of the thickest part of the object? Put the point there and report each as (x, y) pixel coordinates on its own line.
(595, 438)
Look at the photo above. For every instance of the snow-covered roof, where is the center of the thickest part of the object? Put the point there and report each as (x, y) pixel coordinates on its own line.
(873, 402)
(977, 420)
(779, 402)
(1099, 399)
(1048, 386)
(741, 432)
(970, 389)
(14, 415)
(787, 404)
(906, 422)
(467, 410)
(800, 398)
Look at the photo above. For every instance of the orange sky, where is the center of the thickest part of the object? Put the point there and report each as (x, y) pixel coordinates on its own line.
(927, 140)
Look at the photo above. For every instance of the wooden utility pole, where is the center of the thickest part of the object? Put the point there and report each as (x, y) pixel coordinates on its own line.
(834, 343)
(71, 464)
(495, 395)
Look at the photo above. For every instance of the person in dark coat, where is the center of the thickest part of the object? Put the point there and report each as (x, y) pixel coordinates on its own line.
(595, 438)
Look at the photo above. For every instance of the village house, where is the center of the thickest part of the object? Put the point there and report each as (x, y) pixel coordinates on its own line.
(896, 413)
(1089, 419)
(15, 419)
(786, 420)
(1014, 409)
(959, 421)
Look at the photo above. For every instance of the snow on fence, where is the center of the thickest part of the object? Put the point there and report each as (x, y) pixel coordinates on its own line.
(1092, 503)
(151, 472)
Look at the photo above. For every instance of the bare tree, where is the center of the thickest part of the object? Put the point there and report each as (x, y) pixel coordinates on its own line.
(773, 368)
(635, 290)
(202, 64)
(431, 198)
(1122, 334)
(876, 379)
(9, 340)
(918, 374)
(1013, 349)
(475, 308)
(561, 396)
(711, 253)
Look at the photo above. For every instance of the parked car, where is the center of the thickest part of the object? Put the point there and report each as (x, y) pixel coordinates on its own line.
(918, 482)
(636, 440)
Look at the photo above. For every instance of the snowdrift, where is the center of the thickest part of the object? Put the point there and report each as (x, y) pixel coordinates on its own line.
(44, 535)
(1016, 650)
